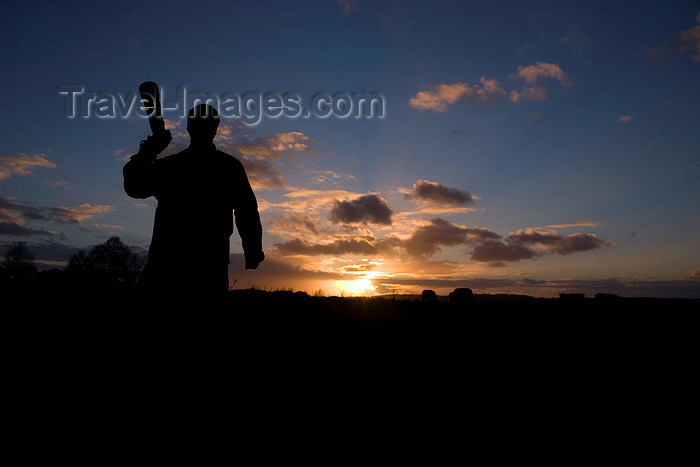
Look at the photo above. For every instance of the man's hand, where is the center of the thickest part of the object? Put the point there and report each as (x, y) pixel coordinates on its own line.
(254, 260)
(155, 144)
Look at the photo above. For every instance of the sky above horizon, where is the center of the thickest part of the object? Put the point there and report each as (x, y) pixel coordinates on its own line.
(522, 147)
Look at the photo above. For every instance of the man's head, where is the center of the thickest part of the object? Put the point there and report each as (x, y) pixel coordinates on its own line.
(202, 123)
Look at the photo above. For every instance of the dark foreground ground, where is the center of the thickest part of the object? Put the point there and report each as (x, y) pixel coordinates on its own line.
(111, 368)
(247, 327)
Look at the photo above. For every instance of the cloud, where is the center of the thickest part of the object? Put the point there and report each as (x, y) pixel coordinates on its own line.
(263, 175)
(256, 154)
(339, 246)
(683, 43)
(330, 177)
(78, 213)
(367, 209)
(13, 212)
(427, 239)
(443, 95)
(14, 215)
(347, 6)
(22, 164)
(551, 241)
(17, 230)
(297, 225)
(17, 213)
(433, 193)
(625, 118)
(305, 201)
(530, 243)
(535, 93)
(532, 74)
(565, 225)
(495, 250)
(580, 242)
(275, 145)
(535, 242)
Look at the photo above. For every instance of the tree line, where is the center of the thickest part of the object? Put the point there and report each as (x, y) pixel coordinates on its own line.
(109, 264)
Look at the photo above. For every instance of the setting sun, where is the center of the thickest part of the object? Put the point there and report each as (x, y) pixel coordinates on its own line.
(355, 287)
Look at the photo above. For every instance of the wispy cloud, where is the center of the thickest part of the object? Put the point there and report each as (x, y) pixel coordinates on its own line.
(565, 225)
(22, 164)
(683, 43)
(17, 230)
(625, 118)
(329, 176)
(78, 213)
(263, 175)
(14, 216)
(347, 6)
(275, 145)
(443, 95)
(338, 246)
(259, 155)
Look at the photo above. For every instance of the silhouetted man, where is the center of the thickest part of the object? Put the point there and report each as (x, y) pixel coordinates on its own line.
(197, 190)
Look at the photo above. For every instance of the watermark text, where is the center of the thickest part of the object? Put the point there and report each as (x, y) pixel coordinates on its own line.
(250, 107)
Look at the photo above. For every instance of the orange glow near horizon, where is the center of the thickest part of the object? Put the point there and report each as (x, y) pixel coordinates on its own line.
(354, 287)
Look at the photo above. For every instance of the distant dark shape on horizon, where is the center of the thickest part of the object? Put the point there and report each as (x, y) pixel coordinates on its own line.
(572, 297)
(428, 296)
(199, 191)
(462, 296)
(607, 297)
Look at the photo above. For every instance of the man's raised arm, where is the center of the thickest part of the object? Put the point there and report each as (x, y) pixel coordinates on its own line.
(137, 172)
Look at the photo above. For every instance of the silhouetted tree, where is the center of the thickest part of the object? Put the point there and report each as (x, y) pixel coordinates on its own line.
(18, 262)
(109, 263)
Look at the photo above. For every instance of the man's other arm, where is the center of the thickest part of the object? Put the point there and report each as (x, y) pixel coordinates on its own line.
(247, 219)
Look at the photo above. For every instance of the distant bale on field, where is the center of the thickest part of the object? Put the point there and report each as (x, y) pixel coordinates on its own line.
(428, 296)
(462, 296)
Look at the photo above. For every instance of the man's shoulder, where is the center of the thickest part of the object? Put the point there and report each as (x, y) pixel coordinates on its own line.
(189, 158)
(229, 158)
(171, 158)
(190, 153)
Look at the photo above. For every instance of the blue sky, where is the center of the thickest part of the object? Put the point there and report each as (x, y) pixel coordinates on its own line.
(526, 147)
